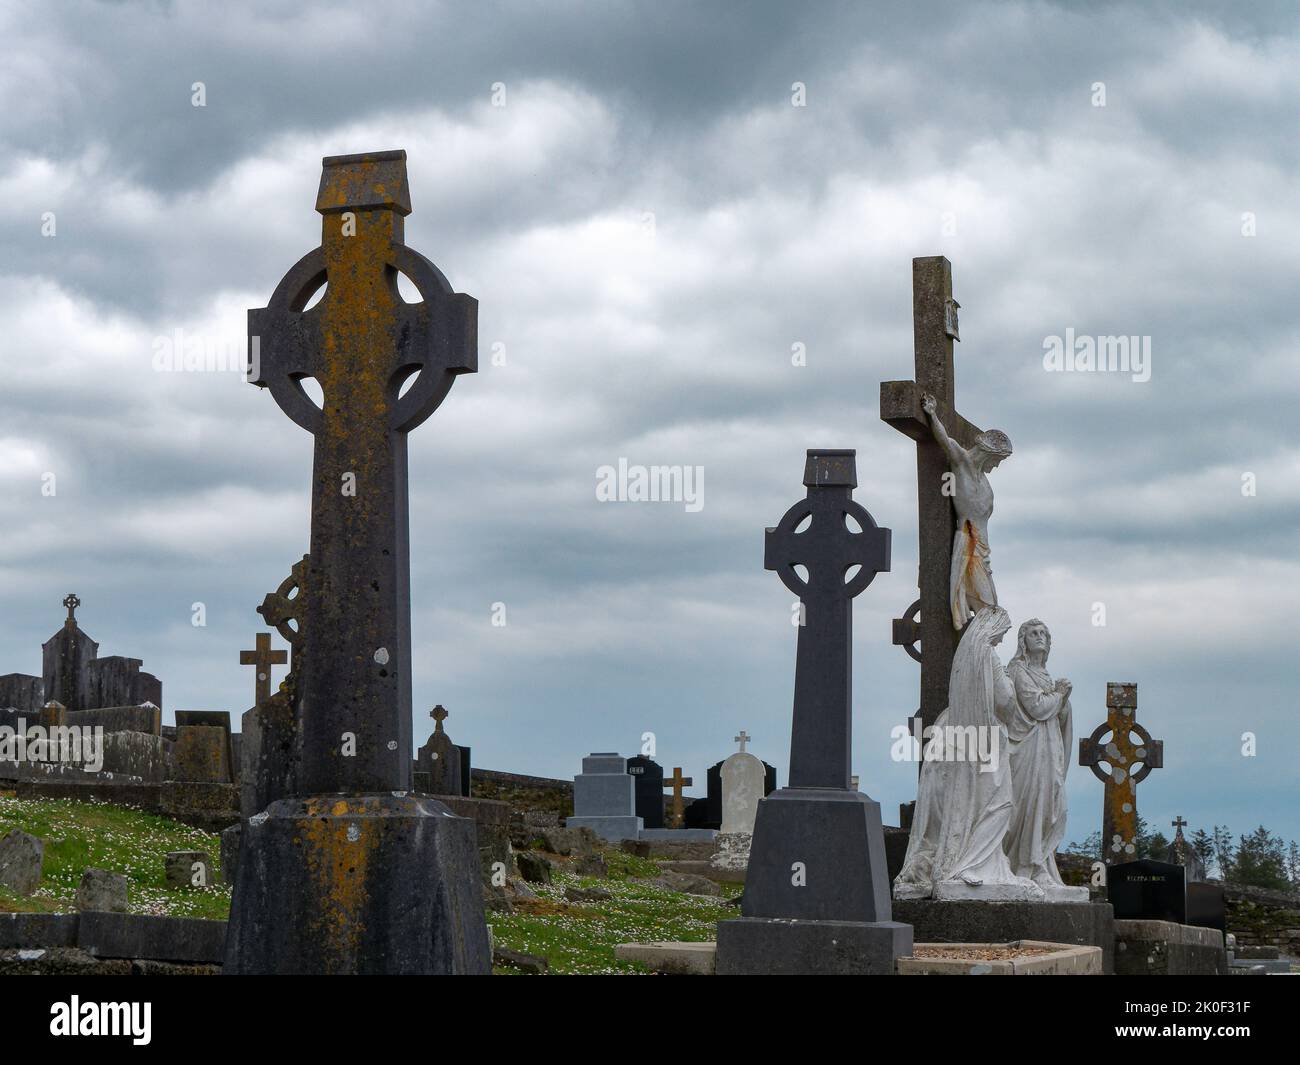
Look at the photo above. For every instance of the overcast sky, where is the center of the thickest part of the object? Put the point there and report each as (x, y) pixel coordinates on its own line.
(651, 226)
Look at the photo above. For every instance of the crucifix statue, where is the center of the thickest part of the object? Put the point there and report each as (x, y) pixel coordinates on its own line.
(1130, 745)
(954, 499)
(263, 658)
(352, 873)
(677, 782)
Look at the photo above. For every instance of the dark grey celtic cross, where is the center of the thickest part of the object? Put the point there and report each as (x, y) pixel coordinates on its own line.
(71, 602)
(815, 534)
(362, 343)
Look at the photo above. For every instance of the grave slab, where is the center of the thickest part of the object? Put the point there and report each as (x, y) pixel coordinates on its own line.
(1075, 923)
(672, 959)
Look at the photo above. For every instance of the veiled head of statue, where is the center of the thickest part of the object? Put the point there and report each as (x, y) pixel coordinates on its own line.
(990, 624)
(1033, 638)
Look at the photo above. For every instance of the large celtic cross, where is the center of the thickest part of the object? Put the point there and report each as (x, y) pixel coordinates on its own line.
(361, 342)
(815, 534)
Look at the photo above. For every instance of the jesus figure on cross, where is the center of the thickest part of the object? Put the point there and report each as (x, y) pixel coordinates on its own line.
(971, 581)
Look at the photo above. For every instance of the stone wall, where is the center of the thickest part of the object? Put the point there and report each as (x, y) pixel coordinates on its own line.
(525, 794)
(1263, 918)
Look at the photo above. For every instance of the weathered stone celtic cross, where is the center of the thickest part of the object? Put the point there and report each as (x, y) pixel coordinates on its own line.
(352, 873)
(817, 887)
(361, 343)
(934, 328)
(1119, 819)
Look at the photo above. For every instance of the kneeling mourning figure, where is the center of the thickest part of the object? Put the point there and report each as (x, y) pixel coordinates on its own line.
(987, 827)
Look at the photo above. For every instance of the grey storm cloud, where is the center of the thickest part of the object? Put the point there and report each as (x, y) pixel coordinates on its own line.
(651, 228)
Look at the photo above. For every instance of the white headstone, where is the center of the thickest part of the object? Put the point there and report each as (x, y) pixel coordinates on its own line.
(742, 787)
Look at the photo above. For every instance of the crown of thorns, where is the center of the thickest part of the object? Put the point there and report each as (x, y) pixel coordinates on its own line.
(995, 441)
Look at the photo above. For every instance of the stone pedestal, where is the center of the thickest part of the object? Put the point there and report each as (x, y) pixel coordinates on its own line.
(1080, 923)
(753, 946)
(816, 891)
(364, 884)
(604, 798)
(1163, 948)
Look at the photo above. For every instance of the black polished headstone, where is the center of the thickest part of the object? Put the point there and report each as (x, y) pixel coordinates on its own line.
(648, 785)
(1147, 890)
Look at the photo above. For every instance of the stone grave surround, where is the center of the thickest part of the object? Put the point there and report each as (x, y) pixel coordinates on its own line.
(604, 798)
(351, 873)
(817, 888)
(133, 752)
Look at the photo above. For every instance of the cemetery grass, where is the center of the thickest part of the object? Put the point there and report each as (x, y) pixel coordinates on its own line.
(85, 835)
(579, 938)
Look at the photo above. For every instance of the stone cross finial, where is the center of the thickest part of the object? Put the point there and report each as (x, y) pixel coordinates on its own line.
(1119, 806)
(439, 715)
(677, 782)
(71, 602)
(263, 658)
(829, 550)
(742, 739)
(1179, 824)
(362, 342)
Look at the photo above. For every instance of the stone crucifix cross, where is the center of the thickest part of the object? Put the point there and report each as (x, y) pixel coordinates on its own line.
(362, 342)
(928, 620)
(828, 549)
(71, 602)
(677, 782)
(263, 658)
(1130, 746)
(742, 739)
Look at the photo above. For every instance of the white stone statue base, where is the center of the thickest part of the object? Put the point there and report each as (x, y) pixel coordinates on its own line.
(1017, 890)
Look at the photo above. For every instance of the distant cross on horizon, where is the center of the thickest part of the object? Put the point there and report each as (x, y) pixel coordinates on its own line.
(263, 657)
(742, 739)
(1179, 823)
(71, 602)
(439, 714)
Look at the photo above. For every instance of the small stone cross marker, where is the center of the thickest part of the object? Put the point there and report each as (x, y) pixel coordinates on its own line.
(71, 602)
(439, 714)
(1121, 753)
(677, 782)
(263, 658)
(742, 739)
